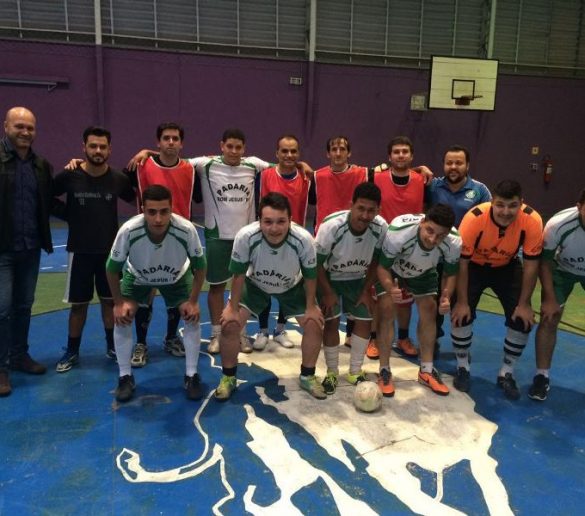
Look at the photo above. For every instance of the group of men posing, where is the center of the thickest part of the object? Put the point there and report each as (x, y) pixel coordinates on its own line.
(372, 256)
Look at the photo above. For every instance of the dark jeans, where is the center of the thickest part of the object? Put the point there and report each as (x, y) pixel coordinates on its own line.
(19, 271)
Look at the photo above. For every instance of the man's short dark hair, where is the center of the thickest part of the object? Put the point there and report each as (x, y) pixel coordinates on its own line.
(369, 191)
(459, 148)
(400, 140)
(287, 137)
(441, 214)
(508, 189)
(581, 197)
(95, 130)
(236, 134)
(169, 125)
(337, 138)
(156, 193)
(276, 201)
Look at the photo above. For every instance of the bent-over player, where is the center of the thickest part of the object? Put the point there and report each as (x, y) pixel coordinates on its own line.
(413, 247)
(156, 249)
(348, 245)
(272, 257)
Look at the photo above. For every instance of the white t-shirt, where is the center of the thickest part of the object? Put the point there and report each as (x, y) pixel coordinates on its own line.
(152, 263)
(345, 255)
(228, 194)
(403, 252)
(274, 269)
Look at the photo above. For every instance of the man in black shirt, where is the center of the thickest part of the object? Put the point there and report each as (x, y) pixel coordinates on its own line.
(91, 210)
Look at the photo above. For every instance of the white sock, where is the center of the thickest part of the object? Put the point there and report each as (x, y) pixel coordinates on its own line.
(426, 367)
(356, 355)
(192, 342)
(514, 345)
(543, 372)
(215, 330)
(123, 344)
(332, 358)
(461, 338)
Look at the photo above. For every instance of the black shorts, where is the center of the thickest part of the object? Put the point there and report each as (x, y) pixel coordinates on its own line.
(506, 282)
(84, 272)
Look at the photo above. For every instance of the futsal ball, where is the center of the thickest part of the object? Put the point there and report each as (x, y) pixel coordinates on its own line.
(367, 397)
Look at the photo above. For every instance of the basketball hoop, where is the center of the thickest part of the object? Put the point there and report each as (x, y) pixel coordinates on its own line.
(463, 101)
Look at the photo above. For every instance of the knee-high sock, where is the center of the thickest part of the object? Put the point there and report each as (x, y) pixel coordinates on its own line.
(514, 345)
(142, 322)
(123, 344)
(332, 358)
(173, 320)
(192, 342)
(356, 356)
(461, 337)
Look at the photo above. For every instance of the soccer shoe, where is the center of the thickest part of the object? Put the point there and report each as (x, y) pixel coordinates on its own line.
(283, 339)
(433, 381)
(330, 382)
(385, 383)
(174, 346)
(462, 379)
(356, 378)
(213, 346)
(125, 389)
(67, 361)
(508, 384)
(539, 389)
(372, 350)
(111, 353)
(260, 342)
(245, 346)
(193, 387)
(227, 385)
(405, 347)
(312, 386)
(140, 355)
(347, 341)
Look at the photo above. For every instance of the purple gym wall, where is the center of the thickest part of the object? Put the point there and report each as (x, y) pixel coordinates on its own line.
(369, 105)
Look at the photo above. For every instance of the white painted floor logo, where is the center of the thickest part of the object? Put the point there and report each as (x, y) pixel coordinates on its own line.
(414, 427)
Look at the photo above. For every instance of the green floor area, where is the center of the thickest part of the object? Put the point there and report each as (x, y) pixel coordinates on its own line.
(51, 287)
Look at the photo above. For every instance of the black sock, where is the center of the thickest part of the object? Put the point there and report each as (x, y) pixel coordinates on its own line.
(373, 335)
(73, 344)
(263, 317)
(402, 333)
(173, 319)
(281, 317)
(143, 317)
(307, 371)
(349, 327)
(229, 371)
(110, 338)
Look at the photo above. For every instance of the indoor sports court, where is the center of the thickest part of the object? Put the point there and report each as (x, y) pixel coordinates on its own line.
(502, 78)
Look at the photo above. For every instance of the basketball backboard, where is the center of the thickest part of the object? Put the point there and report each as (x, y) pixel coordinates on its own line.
(463, 83)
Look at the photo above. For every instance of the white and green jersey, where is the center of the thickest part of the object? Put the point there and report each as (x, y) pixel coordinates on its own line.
(403, 252)
(156, 264)
(274, 269)
(345, 255)
(228, 194)
(564, 241)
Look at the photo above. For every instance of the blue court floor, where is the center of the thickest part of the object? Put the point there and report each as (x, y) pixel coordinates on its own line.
(67, 447)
